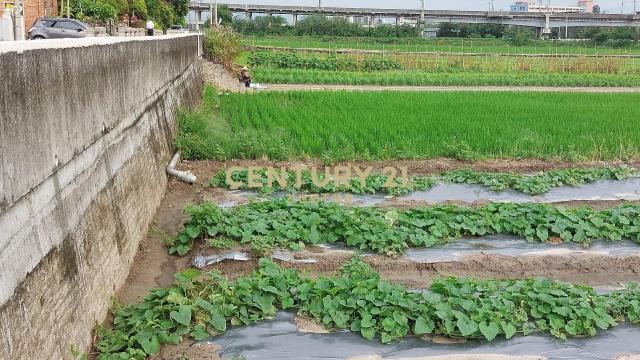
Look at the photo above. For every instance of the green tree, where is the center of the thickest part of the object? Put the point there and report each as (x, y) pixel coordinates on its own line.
(96, 10)
(519, 36)
(180, 9)
(138, 8)
(164, 15)
(225, 14)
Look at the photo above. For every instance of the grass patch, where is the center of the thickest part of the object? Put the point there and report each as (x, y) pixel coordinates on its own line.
(204, 134)
(387, 125)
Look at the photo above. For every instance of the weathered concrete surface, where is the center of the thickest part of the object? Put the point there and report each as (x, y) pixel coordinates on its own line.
(85, 134)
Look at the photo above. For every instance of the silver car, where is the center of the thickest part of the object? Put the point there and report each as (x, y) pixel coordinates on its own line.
(57, 28)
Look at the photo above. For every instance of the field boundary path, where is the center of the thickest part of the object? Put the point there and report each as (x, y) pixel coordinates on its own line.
(317, 87)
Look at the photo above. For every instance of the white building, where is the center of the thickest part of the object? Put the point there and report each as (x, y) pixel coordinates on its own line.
(533, 6)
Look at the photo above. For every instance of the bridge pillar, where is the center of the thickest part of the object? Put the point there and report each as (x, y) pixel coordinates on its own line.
(547, 28)
(295, 19)
(198, 19)
(397, 20)
(249, 15)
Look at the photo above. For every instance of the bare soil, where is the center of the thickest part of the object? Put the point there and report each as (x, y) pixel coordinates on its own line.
(589, 269)
(221, 78)
(188, 350)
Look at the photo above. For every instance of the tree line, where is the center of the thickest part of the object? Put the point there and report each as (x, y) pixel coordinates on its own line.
(164, 12)
(318, 25)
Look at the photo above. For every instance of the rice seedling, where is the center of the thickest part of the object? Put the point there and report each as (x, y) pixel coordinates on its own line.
(391, 125)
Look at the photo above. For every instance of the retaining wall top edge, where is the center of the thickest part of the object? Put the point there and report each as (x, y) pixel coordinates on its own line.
(28, 45)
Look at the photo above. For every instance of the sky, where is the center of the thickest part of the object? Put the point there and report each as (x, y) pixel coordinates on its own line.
(611, 6)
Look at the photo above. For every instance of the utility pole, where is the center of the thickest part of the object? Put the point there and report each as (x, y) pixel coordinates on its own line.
(319, 4)
(215, 13)
(18, 20)
(492, 6)
(211, 14)
(421, 12)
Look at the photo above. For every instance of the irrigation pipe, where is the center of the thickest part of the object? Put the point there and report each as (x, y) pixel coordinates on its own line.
(185, 176)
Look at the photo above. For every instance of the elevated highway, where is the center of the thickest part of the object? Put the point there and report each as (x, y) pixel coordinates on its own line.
(537, 20)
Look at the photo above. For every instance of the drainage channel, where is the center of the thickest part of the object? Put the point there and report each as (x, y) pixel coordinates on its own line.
(280, 338)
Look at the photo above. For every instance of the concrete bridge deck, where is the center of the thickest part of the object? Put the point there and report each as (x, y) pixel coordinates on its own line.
(538, 20)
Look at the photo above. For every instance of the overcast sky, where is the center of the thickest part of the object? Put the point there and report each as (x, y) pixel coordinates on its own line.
(613, 6)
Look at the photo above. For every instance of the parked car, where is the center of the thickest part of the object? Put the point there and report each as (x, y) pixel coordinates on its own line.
(57, 28)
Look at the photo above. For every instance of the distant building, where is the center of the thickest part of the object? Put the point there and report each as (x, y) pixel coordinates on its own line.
(585, 6)
(533, 6)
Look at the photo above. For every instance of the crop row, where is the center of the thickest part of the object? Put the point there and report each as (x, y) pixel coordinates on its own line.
(291, 60)
(443, 63)
(319, 182)
(423, 78)
(356, 298)
(285, 224)
(450, 45)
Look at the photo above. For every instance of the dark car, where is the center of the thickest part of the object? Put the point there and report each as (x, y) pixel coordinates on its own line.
(57, 28)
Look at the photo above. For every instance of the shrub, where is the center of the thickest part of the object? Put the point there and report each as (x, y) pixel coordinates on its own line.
(221, 45)
(519, 36)
(290, 60)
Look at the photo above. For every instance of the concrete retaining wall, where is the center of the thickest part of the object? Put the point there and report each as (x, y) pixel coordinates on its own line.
(86, 130)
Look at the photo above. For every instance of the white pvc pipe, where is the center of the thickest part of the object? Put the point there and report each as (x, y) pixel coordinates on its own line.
(185, 176)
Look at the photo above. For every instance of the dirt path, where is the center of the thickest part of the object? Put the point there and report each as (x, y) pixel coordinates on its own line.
(580, 268)
(314, 87)
(221, 78)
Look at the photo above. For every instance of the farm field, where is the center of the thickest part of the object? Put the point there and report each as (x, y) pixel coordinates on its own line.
(553, 258)
(395, 68)
(450, 45)
(387, 125)
(439, 62)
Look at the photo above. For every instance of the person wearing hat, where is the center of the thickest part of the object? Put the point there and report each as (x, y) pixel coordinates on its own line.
(245, 77)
